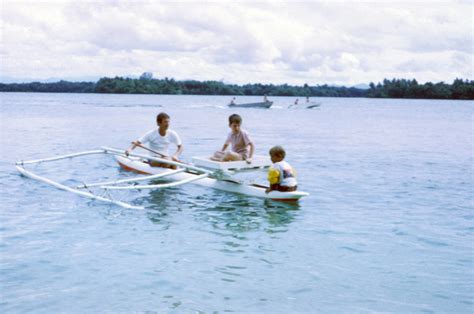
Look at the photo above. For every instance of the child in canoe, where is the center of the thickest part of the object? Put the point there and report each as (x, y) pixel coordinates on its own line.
(242, 147)
(281, 175)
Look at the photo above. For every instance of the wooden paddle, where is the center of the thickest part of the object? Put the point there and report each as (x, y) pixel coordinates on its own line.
(150, 150)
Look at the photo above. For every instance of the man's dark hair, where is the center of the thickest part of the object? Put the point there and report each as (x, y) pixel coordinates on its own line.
(235, 118)
(161, 116)
(277, 150)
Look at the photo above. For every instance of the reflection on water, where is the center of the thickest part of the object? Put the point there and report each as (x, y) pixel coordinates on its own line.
(165, 200)
(222, 211)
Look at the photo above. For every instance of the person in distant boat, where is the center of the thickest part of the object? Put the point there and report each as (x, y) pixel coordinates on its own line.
(265, 98)
(307, 99)
(242, 147)
(294, 104)
(232, 102)
(281, 176)
(159, 141)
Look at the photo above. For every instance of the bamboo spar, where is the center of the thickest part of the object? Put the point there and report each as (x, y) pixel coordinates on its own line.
(155, 186)
(91, 152)
(60, 186)
(154, 176)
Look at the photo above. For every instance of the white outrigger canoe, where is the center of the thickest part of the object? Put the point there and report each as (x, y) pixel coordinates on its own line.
(204, 172)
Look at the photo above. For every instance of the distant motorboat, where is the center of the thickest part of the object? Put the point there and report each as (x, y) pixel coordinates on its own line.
(310, 105)
(313, 105)
(263, 104)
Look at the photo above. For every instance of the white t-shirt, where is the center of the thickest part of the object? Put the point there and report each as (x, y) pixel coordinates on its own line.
(287, 174)
(160, 143)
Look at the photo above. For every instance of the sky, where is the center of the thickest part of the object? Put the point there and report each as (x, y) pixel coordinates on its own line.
(294, 42)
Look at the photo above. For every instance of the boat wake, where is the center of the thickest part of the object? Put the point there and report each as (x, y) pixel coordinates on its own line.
(129, 106)
(207, 106)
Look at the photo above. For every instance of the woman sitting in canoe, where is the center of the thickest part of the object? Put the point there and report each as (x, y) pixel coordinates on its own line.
(242, 146)
(159, 141)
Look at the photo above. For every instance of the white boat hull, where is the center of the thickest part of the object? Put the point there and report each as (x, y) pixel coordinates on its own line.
(264, 104)
(138, 166)
(313, 105)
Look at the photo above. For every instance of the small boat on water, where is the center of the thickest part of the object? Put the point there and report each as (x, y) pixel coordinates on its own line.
(263, 104)
(203, 171)
(310, 105)
(313, 105)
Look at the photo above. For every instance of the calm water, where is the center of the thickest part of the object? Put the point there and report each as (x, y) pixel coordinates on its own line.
(388, 225)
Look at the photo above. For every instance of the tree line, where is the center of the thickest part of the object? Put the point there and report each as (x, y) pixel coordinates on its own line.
(57, 87)
(459, 89)
(191, 87)
(395, 88)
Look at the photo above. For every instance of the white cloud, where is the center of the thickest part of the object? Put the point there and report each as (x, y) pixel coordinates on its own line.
(274, 42)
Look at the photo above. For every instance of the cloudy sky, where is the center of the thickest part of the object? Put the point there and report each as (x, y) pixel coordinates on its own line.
(295, 42)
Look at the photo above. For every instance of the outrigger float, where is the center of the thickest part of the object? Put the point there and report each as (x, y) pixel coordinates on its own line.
(204, 172)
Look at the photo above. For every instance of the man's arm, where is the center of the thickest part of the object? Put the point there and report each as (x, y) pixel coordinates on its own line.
(142, 140)
(134, 145)
(178, 152)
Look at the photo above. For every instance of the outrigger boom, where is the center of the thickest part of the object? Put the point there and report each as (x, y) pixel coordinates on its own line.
(213, 174)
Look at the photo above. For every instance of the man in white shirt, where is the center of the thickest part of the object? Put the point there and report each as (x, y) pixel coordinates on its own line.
(159, 140)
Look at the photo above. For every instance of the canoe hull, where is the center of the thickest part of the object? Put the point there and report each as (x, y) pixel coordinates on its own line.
(138, 166)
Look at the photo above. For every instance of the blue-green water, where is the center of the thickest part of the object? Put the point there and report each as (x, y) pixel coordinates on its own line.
(388, 225)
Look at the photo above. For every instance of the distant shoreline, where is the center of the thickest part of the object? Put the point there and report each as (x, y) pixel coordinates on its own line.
(395, 88)
(302, 97)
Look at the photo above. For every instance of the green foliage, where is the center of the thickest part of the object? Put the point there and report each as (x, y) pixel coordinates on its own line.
(397, 88)
(192, 87)
(58, 87)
